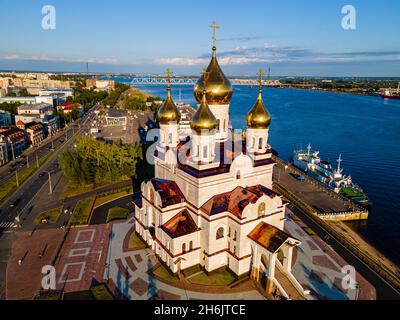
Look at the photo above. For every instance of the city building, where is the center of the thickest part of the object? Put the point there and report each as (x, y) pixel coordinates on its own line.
(68, 107)
(116, 117)
(40, 112)
(211, 202)
(5, 118)
(36, 132)
(13, 142)
(60, 93)
(104, 85)
(31, 100)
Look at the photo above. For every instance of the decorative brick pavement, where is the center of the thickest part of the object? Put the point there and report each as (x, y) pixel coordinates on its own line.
(82, 259)
(318, 268)
(35, 251)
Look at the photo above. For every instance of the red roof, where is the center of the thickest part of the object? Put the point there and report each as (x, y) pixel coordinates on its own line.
(180, 225)
(269, 237)
(169, 192)
(67, 104)
(236, 200)
(20, 123)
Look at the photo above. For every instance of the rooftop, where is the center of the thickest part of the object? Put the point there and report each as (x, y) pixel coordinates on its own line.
(36, 106)
(268, 236)
(180, 225)
(116, 113)
(169, 192)
(236, 200)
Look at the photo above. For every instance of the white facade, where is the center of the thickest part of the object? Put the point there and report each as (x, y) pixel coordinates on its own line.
(223, 205)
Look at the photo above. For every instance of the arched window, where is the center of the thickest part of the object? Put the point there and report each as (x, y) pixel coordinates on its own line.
(191, 245)
(224, 128)
(238, 175)
(220, 233)
(260, 143)
(253, 143)
(183, 247)
(152, 196)
(205, 152)
(170, 138)
(261, 209)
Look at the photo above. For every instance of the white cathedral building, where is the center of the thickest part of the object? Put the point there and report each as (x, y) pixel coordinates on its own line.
(211, 202)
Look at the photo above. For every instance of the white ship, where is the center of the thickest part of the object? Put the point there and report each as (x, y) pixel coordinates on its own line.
(321, 170)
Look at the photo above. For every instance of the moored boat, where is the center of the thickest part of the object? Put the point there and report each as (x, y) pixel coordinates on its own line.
(323, 171)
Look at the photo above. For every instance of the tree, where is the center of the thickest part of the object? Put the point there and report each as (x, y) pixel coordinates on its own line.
(23, 93)
(94, 161)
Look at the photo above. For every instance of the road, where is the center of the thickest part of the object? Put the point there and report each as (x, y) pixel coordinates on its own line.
(34, 154)
(22, 198)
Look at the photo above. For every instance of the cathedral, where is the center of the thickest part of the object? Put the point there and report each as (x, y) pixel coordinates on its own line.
(211, 202)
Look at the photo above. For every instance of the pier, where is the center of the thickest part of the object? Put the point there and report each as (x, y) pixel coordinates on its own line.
(313, 196)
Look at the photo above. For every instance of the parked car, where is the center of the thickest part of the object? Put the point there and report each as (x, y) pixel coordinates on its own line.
(15, 203)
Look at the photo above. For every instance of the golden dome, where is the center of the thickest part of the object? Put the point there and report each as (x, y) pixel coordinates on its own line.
(218, 87)
(204, 120)
(168, 111)
(259, 117)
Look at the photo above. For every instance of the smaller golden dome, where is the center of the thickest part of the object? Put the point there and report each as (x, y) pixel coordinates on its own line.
(259, 117)
(168, 111)
(204, 121)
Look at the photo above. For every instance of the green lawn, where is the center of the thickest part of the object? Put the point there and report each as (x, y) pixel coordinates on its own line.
(112, 196)
(81, 213)
(163, 273)
(100, 292)
(51, 216)
(117, 213)
(216, 278)
(7, 188)
(135, 242)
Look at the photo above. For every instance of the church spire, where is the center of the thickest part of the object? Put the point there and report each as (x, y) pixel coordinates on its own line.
(168, 112)
(258, 117)
(218, 87)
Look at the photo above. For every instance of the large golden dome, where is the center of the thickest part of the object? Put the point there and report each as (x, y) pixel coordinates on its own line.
(259, 117)
(168, 111)
(218, 87)
(204, 120)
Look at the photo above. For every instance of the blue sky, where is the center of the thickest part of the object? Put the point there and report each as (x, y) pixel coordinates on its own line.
(292, 37)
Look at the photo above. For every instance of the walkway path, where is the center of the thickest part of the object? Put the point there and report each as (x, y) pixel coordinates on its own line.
(319, 268)
(129, 272)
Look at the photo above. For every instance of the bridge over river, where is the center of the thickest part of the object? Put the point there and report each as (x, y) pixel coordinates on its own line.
(155, 80)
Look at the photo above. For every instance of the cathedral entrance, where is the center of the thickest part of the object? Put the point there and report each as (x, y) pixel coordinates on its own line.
(263, 271)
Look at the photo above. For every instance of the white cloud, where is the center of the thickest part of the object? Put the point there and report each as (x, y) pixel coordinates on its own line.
(15, 56)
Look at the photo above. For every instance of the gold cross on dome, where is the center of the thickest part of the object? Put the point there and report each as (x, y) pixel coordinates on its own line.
(260, 73)
(214, 26)
(169, 73)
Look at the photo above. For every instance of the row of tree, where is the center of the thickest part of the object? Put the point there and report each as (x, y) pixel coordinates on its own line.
(87, 97)
(93, 161)
(114, 95)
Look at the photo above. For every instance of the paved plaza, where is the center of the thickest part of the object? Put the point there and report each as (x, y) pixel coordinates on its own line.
(101, 254)
(319, 268)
